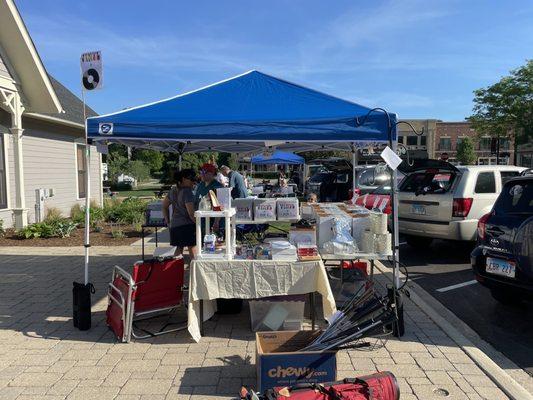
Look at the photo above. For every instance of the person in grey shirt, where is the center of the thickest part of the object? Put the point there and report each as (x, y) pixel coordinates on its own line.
(236, 182)
(182, 222)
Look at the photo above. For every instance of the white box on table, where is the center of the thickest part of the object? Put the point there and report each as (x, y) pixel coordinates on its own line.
(287, 208)
(302, 235)
(244, 209)
(264, 209)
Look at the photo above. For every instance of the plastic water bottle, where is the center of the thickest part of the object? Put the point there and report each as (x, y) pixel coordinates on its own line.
(209, 243)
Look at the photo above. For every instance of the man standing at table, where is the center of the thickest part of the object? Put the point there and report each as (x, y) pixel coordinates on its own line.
(236, 182)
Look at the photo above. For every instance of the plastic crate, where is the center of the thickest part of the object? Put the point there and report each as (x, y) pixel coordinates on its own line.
(277, 313)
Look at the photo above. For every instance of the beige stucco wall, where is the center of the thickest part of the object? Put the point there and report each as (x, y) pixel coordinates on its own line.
(49, 154)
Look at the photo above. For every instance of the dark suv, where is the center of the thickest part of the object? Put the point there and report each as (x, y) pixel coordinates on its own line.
(503, 258)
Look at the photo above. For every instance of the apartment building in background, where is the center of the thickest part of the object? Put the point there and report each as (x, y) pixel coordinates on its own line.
(448, 135)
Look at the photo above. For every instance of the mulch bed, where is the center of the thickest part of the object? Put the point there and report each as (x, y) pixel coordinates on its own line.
(103, 238)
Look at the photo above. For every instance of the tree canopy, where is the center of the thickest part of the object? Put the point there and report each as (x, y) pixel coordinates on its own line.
(506, 106)
(466, 154)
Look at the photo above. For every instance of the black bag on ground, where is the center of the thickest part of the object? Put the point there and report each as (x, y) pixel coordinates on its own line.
(229, 306)
(81, 297)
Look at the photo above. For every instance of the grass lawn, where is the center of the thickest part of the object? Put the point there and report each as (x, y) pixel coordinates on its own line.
(140, 192)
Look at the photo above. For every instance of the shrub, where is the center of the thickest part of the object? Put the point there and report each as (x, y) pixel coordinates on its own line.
(53, 214)
(96, 214)
(64, 228)
(130, 211)
(2, 230)
(39, 230)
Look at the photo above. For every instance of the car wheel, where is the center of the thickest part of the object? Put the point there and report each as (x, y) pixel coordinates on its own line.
(505, 297)
(418, 241)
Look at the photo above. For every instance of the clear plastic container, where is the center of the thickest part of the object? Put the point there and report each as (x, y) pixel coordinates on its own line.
(277, 313)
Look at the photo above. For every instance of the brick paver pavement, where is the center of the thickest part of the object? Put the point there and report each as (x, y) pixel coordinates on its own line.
(43, 357)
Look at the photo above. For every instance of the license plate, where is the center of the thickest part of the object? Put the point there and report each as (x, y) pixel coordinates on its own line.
(500, 267)
(418, 209)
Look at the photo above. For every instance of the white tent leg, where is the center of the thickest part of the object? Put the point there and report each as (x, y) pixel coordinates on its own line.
(87, 208)
(354, 161)
(396, 232)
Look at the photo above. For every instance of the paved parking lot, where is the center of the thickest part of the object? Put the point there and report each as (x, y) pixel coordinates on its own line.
(43, 357)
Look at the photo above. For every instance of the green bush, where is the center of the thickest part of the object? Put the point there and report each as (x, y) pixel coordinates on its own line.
(130, 211)
(2, 230)
(39, 230)
(53, 215)
(64, 228)
(96, 214)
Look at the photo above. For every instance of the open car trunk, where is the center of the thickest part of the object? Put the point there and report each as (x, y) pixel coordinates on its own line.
(426, 193)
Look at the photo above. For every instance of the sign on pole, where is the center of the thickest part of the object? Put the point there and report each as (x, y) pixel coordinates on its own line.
(91, 70)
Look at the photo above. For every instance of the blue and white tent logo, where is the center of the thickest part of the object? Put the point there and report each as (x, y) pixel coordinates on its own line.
(105, 128)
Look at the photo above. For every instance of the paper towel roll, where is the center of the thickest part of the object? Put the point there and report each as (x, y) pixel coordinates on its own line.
(368, 242)
(378, 223)
(383, 243)
(360, 223)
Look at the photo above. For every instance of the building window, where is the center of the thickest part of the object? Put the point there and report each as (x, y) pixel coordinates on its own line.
(484, 144)
(505, 144)
(458, 142)
(445, 144)
(81, 170)
(3, 179)
(412, 140)
(423, 140)
(485, 183)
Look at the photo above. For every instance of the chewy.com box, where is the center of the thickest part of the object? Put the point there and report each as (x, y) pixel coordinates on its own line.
(281, 363)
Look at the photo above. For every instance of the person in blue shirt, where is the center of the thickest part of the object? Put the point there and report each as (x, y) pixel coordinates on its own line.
(208, 172)
(236, 182)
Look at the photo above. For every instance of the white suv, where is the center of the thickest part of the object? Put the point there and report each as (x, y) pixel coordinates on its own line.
(445, 202)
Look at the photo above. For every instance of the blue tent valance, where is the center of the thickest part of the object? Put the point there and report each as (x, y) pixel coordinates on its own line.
(278, 157)
(243, 114)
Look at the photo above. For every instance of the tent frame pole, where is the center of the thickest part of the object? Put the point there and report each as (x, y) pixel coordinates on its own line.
(86, 243)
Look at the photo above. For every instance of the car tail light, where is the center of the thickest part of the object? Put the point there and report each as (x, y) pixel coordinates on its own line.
(481, 226)
(461, 207)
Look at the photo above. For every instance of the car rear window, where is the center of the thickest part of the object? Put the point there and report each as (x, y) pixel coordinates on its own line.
(428, 182)
(373, 177)
(485, 183)
(506, 175)
(516, 198)
(322, 177)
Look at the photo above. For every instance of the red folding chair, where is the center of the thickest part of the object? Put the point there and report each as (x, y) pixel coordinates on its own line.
(153, 288)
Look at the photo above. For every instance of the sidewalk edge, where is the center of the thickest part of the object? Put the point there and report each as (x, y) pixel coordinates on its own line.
(444, 318)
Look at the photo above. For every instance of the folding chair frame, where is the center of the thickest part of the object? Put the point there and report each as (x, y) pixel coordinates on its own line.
(129, 316)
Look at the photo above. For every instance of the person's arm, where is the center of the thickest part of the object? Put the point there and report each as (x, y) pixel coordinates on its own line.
(166, 205)
(190, 211)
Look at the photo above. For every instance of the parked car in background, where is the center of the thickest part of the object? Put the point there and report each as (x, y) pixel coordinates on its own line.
(333, 181)
(379, 198)
(440, 201)
(503, 258)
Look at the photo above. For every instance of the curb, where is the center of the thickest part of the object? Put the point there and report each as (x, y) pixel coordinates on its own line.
(444, 318)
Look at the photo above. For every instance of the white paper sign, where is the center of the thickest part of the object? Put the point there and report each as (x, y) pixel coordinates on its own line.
(391, 158)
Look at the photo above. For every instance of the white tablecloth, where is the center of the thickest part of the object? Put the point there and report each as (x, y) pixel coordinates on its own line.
(252, 279)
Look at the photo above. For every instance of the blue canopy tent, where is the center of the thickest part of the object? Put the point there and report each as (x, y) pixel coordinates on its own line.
(278, 157)
(245, 114)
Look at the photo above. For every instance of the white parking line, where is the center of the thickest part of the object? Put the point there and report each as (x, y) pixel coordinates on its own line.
(459, 285)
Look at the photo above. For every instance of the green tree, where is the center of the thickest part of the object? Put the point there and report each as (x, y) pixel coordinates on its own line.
(229, 159)
(152, 158)
(116, 165)
(465, 152)
(506, 107)
(137, 169)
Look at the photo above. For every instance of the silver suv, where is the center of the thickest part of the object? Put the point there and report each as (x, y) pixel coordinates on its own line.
(445, 202)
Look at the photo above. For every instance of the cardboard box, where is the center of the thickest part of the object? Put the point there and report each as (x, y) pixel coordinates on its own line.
(265, 209)
(280, 363)
(287, 209)
(244, 209)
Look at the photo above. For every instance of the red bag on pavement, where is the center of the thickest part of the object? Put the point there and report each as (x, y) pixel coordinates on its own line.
(378, 386)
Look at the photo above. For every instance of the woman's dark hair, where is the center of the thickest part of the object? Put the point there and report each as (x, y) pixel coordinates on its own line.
(187, 173)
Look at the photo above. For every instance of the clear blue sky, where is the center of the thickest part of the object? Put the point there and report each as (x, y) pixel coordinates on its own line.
(419, 58)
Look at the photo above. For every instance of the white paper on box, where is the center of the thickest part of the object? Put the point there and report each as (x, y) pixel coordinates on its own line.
(302, 236)
(265, 210)
(244, 209)
(287, 209)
